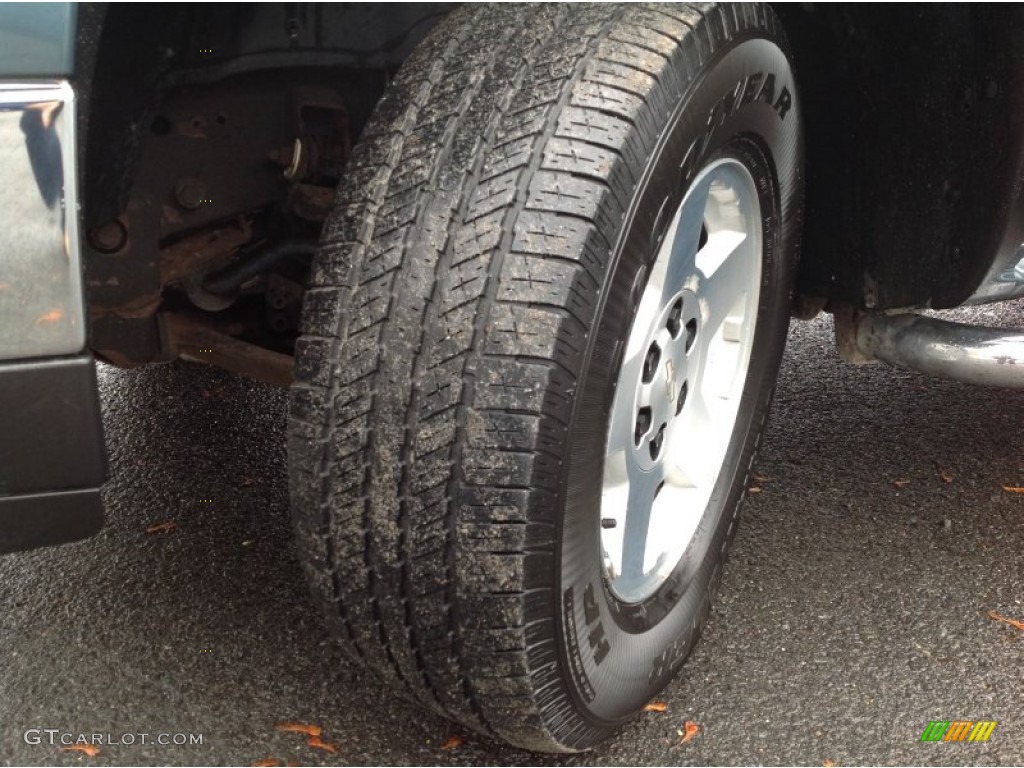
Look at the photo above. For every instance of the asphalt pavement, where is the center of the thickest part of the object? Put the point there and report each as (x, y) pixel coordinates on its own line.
(853, 611)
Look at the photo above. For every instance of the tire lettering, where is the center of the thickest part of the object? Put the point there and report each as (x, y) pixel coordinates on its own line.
(767, 92)
(688, 167)
(727, 106)
(754, 87)
(661, 222)
(592, 613)
(668, 660)
(757, 86)
(783, 103)
(579, 674)
(750, 86)
(598, 644)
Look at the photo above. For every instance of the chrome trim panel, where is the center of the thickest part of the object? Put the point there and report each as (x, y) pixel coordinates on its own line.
(1005, 277)
(37, 39)
(968, 353)
(41, 307)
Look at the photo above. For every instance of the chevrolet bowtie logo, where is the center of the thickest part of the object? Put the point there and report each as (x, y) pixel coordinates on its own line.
(670, 379)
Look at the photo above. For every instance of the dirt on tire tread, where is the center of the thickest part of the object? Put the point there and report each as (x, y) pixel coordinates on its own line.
(448, 310)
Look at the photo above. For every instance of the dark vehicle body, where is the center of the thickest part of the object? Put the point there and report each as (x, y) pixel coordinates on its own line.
(179, 181)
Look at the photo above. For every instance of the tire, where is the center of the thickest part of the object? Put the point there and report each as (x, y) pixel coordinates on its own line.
(464, 332)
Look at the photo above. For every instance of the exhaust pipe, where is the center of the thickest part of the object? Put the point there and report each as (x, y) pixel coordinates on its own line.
(969, 353)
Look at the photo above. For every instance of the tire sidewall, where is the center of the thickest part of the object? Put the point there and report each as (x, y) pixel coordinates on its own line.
(615, 656)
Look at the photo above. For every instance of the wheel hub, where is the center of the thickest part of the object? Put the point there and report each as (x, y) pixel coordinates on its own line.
(682, 376)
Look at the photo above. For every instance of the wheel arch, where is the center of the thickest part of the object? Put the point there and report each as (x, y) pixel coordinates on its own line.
(251, 80)
(914, 148)
(128, 54)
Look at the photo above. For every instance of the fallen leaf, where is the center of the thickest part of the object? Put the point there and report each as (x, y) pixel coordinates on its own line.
(760, 478)
(270, 762)
(318, 743)
(690, 729)
(900, 483)
(946, 475)
(167, 527)
(309, 730)
(454, 742)
(1013, 489)
(754, 489)
(656, 706)
(248, 542)
(827, 764)
(89, 749)
(247, 482)
(1012, 622)
(215, 391)
(53, 316)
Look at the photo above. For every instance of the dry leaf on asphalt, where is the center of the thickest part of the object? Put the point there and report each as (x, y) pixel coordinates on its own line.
(88, 749)
(454, 742)
(946, 475)
(318, 743)
(270, 762)
(309, 730)
(53, 316)
(167, 527)
(760, 478)
(656, 706)
(827, 764)
(1013, 489)
(1006, 620)
(754, 489)
(900, 482)
(215, 391)
(689, 730)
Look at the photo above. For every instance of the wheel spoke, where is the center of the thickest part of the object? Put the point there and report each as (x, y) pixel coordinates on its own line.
(724, 267)
(690, 462)
(643, 488)
(645, 315)
(621, 432)
(683, 239)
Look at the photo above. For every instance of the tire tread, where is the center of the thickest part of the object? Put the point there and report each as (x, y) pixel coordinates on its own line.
(447, 314)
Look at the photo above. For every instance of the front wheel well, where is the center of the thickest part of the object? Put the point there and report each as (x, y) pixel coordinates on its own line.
(913, 145)
(213, 135)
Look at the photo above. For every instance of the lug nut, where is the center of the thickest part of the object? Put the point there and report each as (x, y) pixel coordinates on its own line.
(673, 323)
(643, 424)
(656, 442)
(682, 398)
(651, 363)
